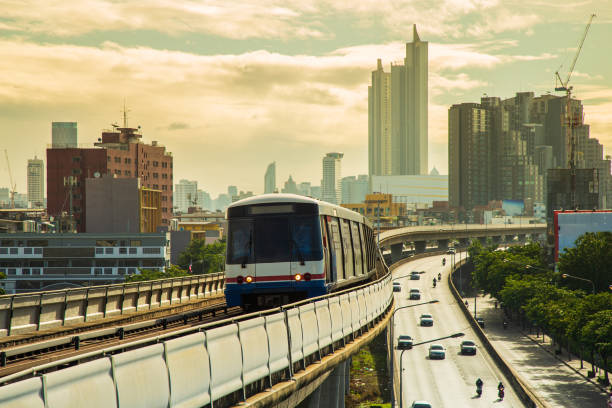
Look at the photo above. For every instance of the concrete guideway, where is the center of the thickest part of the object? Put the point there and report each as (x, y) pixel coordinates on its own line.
(449, 382)
(558, 382)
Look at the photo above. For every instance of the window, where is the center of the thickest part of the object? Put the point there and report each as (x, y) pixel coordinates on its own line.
(347, 248)
(164, 187)
(123, 251)
(118, 172)
(108, 251)
(128, 173)
(76, 159)
(150, 250)
(3, 251)
(356, 248)
(133, 251)
(155, 163)
(135, 242)
(27, 251)
(164, 176)
(106, 242)
(6, 243)
(164, 198)
(240, 242)
(13, 251)
(155, 175)
(37, 251)
(76, 172)
(155, 186)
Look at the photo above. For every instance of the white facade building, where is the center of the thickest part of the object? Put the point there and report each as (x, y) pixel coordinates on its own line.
(270, 179)
(331, 185)
(36, 183)
(185, 195)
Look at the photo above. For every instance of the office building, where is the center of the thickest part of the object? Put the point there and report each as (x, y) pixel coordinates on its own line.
(379, 206)
(270, 179)
(118, 205)
(413, 190)
(36, 183)
(5, 198)
(398, 116)
(204, 200)
(304, 189)
(331, 184)
(354, 189)
(128, 156)
(34, 262)
(290, 187)
(63, 135)
(559, 197)
(185, 195)
(67, 169)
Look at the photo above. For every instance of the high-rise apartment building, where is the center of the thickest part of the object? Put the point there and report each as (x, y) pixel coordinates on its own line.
(270, 179)
(354, 189)
(128, 156)
(398, 116)
(331, 185)
(469, 155)
(232, 191)
(185, 195)
(36, 182)
(290, 186)
(63, 135)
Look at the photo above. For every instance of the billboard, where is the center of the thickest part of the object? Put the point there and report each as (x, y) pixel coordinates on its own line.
(513, 207)
(569, 225)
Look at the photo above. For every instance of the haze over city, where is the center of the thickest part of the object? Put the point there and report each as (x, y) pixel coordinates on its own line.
(228, 88)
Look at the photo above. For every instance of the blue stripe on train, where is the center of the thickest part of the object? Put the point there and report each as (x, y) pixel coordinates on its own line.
(234, 291)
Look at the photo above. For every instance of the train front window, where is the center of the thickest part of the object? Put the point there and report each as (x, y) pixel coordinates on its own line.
(271, 239)
(306, 239)
(240, 242)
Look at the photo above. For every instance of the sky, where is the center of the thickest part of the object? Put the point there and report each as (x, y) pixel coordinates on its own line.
(230, 86)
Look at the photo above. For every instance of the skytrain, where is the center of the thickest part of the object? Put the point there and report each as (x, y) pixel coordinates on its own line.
(283, 248)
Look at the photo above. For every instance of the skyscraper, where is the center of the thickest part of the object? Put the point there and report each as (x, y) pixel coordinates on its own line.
(397, 114)
(185, 195)
(270, 179)
(36, 182)
(331, 185)
(63, 134)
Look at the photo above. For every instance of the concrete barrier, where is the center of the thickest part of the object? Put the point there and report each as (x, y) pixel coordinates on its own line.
(217, 366)
(31, 312)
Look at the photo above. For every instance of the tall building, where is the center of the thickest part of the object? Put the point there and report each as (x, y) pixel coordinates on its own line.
(354, 189)
(290, 187)
(305, 189)
(128, 156)
(185, 195)
(397, 114)
(331, 185)
(63, 135)
(559, 190)
(204, 200)
(270, 179)
(232, 191)
(469, 155)
(67, 169)
(36, 183)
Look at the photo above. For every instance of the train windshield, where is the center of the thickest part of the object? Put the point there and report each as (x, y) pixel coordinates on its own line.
(265, 239)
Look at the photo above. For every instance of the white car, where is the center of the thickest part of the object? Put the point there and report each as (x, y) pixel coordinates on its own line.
(426, 320)
(420, 404)
(437, 351)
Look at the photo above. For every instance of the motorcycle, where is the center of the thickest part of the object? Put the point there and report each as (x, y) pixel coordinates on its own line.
(443, 261)
(500, 394)
(479, 390)
(439, 276)
(434, 282)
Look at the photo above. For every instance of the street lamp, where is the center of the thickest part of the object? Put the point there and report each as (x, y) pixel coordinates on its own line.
(393, 342)
(567, 275)
(454, 335)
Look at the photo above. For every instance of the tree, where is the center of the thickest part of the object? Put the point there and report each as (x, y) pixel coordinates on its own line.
(583, 312)
(2, 276)
(203, 258)
(598, 335)
(173, 271)
(590, 259)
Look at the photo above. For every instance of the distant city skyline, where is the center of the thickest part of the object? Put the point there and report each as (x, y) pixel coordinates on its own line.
(230, 89)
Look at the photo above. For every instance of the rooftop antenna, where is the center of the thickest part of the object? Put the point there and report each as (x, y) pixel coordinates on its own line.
(125, 112)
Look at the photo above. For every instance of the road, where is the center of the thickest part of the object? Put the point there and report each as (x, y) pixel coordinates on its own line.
(449, 382)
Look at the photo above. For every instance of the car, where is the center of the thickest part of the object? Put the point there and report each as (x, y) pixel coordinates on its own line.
(437, 351)
(480, 322)
(420, 404)
(468, 347)
(397, 287)
(451, 251)
(426, 320)
(415, 275)
(404, 342)
(415, 294)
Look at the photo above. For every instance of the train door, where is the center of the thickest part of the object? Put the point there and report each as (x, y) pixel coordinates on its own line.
(329, 268)
(356, 248)
(337, 254)
(347, 245)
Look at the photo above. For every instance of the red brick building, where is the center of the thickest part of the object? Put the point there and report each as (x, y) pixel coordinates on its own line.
(80, 164)
(128, 156)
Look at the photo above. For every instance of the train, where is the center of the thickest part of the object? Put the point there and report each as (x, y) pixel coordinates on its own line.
(283, 248)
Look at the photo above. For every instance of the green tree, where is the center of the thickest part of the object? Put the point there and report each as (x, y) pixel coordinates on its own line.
(203, 258)
(173, 271)
(591, 259)
(2, 276)
(581, 315)
(597, 334)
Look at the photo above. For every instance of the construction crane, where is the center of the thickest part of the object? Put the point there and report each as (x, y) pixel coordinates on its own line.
(13, 186)
(570, 121)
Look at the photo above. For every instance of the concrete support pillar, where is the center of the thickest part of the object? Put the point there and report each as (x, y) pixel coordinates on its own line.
(341, 384)
(419, 246)
(313, 400)
(464, 242)
(442, 244)
(332, 389)
(396, 252)
(483, 240)
(521, 237)
(347, 376)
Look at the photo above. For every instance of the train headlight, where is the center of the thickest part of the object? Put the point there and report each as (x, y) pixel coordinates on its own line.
(239, 280)
(249, 279)
(298, 277)
(307, 277)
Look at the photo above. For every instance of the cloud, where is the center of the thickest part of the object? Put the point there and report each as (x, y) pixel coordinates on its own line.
(178, 126)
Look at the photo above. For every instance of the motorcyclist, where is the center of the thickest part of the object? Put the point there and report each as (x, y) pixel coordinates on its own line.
(479, 384)
(500, 390)
(443, 261)
(505, 324)
(439, 276)
(434, 282)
